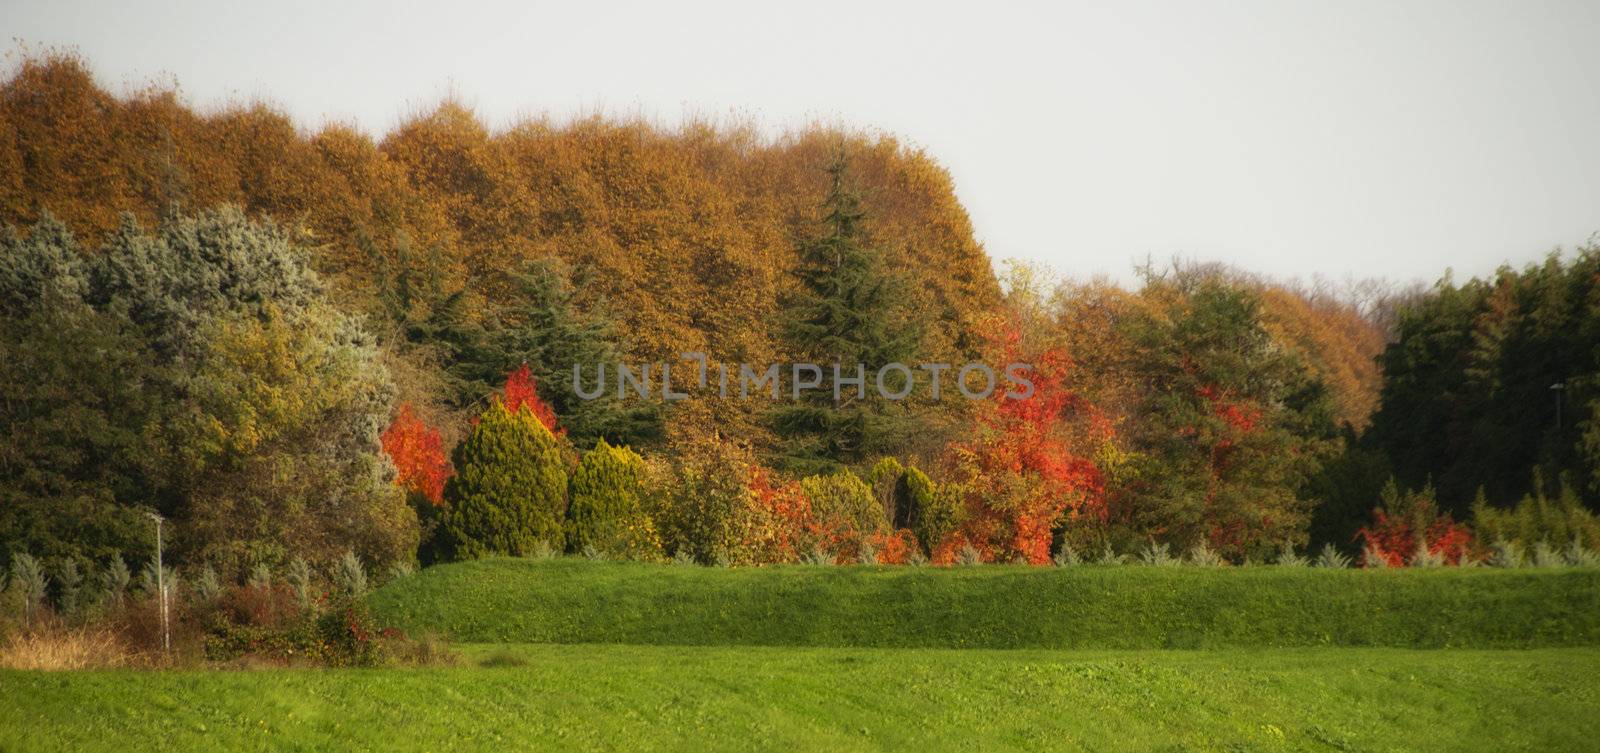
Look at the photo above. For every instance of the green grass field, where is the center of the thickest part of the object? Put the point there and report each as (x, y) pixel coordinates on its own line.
(703, 699)
(560, 657)
(576, 601)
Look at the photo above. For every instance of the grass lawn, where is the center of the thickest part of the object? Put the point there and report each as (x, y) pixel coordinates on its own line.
(587, 697)
(572, 600)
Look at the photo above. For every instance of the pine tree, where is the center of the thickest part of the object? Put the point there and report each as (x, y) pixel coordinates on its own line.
(845, 314)
(509, 491)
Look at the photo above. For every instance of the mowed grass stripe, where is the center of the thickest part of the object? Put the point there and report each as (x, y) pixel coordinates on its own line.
(578, 601)
(603, 698)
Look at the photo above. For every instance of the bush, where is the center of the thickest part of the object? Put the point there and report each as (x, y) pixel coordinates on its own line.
(1410, 523)
(1537, 517)
(1331, 557)
(350, 577)
(1067, 556)
(707, 513)
(344, 637)
(934, 511)
(606, 511)
(843, 509)
(115, 581)
(509, 491)
(1158, 555)
(28, 579)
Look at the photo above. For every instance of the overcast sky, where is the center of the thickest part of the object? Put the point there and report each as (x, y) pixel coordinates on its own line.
(1358, 139)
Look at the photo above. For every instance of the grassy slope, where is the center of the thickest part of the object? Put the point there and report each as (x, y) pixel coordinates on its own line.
(575, 601)
(706, 699)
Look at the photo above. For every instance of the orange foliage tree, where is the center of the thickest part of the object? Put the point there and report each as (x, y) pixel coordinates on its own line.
(418, 455)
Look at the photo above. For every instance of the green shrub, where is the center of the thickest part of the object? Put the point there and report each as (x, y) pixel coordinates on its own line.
(606, 509)
(343, 637)
(300, 582)
(887, 479)
(509, 491)
(1158, 554)
(1537, 517)
(261, 576)
(844, 504)
(68, 580)
(350, 577)
(1579, 555)
(115, 581)
(206, 585)
(28, 578)
(1508, 554)
(705, 511)
(1287, 557)
(1201, 555)
(1331, 557)
(933, 511)
(401, 569)
(1545, 555)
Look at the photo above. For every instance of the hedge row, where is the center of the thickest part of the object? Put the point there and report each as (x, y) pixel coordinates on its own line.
(1113, 607)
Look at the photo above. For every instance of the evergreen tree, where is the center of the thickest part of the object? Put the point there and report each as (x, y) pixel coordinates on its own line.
(509, 492)
(846, 313)
(606, 512)
(200, 371)
(1489, 380)
(547, 330)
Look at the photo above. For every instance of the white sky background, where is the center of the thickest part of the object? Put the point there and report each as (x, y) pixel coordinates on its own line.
(1347, 139)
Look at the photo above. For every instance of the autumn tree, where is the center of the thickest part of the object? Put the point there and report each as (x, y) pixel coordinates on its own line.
(1231, 427)
(1021, 473)
(417, 451)
(255, 405)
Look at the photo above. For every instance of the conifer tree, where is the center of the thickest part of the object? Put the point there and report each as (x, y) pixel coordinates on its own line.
(548, 331)
(607, 511)
(845, 314)
(509, 491)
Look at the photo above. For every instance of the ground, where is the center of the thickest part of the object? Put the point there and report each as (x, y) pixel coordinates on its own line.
(599, 698)
(574, 655)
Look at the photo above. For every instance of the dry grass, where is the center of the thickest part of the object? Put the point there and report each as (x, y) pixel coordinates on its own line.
(64, 649)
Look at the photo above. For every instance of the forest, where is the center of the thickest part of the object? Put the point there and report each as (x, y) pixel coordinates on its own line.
(302, 346)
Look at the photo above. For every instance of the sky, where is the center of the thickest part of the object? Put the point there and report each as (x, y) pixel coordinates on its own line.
(1335, 139)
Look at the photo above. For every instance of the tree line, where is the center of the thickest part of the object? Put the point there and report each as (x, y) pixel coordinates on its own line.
(297, 344)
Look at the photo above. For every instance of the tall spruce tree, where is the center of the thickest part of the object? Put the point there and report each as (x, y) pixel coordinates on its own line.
(846, 313)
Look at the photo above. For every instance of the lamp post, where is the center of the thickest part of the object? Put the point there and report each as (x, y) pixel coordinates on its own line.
(161, 588)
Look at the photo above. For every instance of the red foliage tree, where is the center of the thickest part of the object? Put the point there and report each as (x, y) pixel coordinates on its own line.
(1021, 469)
(418, 454)
(522, 390)
(1406, 523)
(783, 514)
